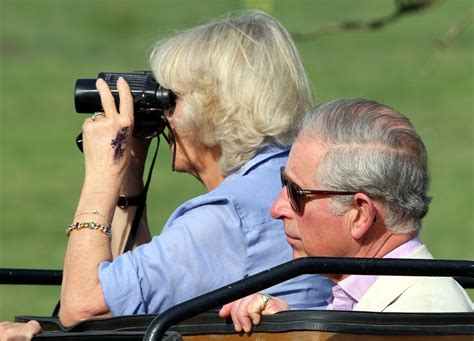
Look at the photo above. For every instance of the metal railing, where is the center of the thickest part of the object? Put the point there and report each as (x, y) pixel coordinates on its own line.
(461, 270)
(310, 265)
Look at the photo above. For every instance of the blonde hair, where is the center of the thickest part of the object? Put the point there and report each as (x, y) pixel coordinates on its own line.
(241, 82)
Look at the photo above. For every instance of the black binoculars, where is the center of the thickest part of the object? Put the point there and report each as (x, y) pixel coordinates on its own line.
(151, 101)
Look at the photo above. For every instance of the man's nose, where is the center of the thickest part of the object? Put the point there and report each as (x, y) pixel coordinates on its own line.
(281, 208)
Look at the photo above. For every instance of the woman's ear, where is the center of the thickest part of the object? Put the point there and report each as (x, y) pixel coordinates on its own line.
(364, 215)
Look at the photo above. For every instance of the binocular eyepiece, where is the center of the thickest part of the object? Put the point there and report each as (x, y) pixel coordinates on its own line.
(150, 100)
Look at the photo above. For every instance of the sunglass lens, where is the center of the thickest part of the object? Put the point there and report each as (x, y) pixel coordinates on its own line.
(291, 190)
(293, 196)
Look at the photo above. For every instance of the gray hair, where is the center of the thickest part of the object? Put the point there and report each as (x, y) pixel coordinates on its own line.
(374, 150)
(241, 81)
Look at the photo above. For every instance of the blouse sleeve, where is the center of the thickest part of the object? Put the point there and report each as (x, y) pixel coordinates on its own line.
(201, 248)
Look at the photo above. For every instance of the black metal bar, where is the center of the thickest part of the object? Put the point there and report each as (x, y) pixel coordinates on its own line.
(465, 282)
(31, 276)
(312, 265)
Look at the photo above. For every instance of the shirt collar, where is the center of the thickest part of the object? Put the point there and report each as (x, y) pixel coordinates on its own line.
(405, 249)
(261, 156)
(350, 290)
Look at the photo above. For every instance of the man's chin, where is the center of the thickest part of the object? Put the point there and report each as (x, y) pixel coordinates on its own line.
(298, 254)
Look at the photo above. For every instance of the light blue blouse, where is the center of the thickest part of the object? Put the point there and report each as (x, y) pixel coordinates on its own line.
(210, 241)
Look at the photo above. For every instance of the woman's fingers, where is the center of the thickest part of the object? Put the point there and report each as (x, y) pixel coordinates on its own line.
(108, 101)
(126, 99)
(107, 138)
(106, 97)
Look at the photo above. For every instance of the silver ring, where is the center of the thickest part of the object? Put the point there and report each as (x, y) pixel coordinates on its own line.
(96, 114)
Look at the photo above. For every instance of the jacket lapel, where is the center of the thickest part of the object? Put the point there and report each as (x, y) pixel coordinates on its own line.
(388, 288)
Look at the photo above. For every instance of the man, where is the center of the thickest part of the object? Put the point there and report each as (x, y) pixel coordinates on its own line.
(356, 185)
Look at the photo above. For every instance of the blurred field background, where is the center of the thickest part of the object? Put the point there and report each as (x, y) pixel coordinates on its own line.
(47, 44)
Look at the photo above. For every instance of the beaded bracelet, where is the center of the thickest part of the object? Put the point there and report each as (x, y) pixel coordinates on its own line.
(91, 225)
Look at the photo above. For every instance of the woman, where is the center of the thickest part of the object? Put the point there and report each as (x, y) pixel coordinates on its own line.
(240, 87)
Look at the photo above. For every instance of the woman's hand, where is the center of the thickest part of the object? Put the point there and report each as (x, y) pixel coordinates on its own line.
(19, 331)
(107, 138)
(249, 310)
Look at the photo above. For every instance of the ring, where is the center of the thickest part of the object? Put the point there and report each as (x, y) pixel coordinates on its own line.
(96, 114)
(266, 299)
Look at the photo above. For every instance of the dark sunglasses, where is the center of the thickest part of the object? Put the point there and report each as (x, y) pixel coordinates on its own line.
(296, 194)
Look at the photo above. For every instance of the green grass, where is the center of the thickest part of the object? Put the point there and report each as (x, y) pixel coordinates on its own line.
(47, 44)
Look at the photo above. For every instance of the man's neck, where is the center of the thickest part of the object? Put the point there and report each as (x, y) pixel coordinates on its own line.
(384, 245)
(378, 247)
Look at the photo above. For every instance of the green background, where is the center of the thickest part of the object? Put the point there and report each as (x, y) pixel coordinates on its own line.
(47, 44)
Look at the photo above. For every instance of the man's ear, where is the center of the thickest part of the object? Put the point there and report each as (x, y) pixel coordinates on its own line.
(363, 216)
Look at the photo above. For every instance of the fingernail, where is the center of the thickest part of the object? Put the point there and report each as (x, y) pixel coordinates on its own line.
(120, 79)
(99, 80)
